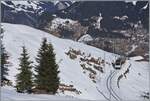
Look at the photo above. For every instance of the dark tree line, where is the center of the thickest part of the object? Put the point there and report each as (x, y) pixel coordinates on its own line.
(4, 61)
(46, 79)
(4, 64)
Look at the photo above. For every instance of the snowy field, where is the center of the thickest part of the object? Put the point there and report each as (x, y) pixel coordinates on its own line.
(9, 94)
(131, 87)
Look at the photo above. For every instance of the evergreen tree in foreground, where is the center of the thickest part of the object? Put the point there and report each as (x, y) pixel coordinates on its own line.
(47, 78)
(24, 78)
(4, 64)
(4, 60)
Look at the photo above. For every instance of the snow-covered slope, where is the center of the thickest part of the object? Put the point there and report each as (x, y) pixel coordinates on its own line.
(85, 38)
(9, 94)
(56, 22)
(71, 71)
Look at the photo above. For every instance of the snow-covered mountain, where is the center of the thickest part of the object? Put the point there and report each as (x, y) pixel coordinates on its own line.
(88, 69)
(32, 6)
(105, 21)
(135, 11)
(28, 12)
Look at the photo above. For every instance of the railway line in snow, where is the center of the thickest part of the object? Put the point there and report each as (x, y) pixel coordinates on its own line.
(110, 88)
(113, 95)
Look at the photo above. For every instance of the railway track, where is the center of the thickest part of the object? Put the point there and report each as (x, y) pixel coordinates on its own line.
(110, 88)
(103, 94)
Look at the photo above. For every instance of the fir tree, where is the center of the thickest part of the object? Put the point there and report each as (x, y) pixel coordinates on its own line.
(4, 64)
(24, 78)
(47, 70)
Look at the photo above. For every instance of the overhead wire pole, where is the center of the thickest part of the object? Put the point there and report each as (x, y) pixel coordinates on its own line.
(115, 58)
(110, 72)
(0, 51)
(113, 61)
(114, 48)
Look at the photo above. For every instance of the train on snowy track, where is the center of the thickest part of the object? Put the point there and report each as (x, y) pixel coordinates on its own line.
(119, 62)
